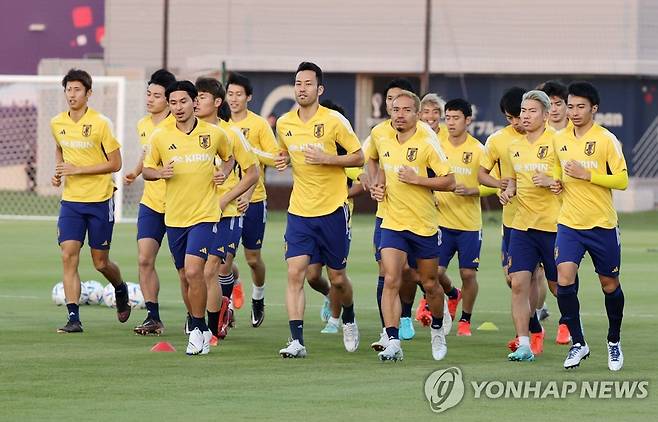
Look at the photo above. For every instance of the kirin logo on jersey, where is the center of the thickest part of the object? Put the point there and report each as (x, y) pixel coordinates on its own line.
(543, 152)
(590, 147)
(412, 154)
(318, 130)
(204, 141)
(86, 130)
(467, 157)
(245, 131)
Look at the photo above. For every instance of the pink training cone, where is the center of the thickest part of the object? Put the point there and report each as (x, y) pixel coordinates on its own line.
(163, 346)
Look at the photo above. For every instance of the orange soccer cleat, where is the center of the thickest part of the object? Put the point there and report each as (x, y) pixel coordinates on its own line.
(464, 329)
(423, 314)
(238, 296)
(537, 342)
(452, 305)
(513, 344)
(563, 335)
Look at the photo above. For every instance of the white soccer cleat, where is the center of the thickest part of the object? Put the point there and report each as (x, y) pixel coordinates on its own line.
(615, 356)
(351, 336)
(294, 349)
(207, 335)
(382, 343)
(577, 353)
(447, 319)
(392, 352)
(439, 345)
(195, 342)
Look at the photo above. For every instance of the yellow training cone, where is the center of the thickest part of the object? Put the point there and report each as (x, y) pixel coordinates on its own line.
(488, 326)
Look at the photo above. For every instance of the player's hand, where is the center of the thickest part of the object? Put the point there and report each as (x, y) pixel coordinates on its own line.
(541, 179)
(129, 178)
(364, 180)
(462, 190)
(167, 172)
(377, 192)
(577, 171)
(282, 161)
(315, 155)
(243, 203)
(66, 169)
(504, 183)
(223, 202)
(505, 197)
(556, 187)
(407, 175)
(218, 177)
(56, 181)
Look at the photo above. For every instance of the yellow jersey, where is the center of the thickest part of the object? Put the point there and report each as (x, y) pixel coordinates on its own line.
(191, 196)
(154, 191)
(244, 159)
(381, 130)
(410, 207)
(443, 132)
(461, 212)
(263, 143)
(85, 143)
(584, 204)
(317, 189)
(537, 207)
(496, 156)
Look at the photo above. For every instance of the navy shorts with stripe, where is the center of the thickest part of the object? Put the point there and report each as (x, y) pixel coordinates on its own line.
(376, 238)
(76, 219)
(504, 246)
(253, 227)
(466, 244)
(194, 240)
(602, 245)
(527, 249)
(150, 224)
(227, 238)
(416, 246)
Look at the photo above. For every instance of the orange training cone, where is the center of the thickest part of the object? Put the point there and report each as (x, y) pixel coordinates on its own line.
(163, 346)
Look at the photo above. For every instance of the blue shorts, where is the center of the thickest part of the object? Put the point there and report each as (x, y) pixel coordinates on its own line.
(78, 218)
(416, 246)
(317, 259)
(504, 247)
(227, 238)
(194, 240)
(466, 243)
(603, 245)
(150, 224)
(528, 248)
(376, 239)
(327, 237)
(253, 229)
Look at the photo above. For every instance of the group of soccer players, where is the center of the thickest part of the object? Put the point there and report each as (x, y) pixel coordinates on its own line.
(552, 168)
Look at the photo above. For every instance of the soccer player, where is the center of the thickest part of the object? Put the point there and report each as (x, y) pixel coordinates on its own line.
(432, 108)
(263, 144)
(557, 92)
(409, 225)
(183, 154)
(317, 215)
(592, 164)
(150, 218)
(86, 155)
(239, 179)
(534, 225)
(460, 215)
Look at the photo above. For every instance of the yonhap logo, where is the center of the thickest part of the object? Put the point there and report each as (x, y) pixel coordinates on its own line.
(444, 389)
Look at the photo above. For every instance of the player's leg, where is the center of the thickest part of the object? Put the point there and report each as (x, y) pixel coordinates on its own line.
(71, 230)
(214, 296)
(393, 258)
(177, 240)
(542, 309)
(226, 282)
(376, 239)
(469, 244)
(253, 234)
(407, 296)
(428, 273)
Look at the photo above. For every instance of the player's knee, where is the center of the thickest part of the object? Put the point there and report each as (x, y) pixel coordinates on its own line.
(194, 274)
(146, 261)
(70, 257)
(468, 275)
(101, 264)
(253, 260)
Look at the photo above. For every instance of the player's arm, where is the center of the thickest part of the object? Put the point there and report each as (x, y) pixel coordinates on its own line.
(112, 165)
(249, 165)
(282, 159)
(269, 148)
(618, 177)
(153, 169)
(510, 190)
(56, 180)
(443, 178)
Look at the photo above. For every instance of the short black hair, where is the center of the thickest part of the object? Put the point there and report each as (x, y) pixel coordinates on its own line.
(586, 90)
(402, 83)
(459, 104)
(312, 67)
(239, 79)
(555, 88)
(333, 106)
(212, 86)
(162, 77)
(186, 86)
(77, 75)
(510, 102)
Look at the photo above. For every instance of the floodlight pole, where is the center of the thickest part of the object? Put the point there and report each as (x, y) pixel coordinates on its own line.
(165, 35)
(425, 76)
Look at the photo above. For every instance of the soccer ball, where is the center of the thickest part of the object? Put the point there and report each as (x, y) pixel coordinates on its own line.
(135, 296)
(108, 296)
(94, 291)
(58, 294)
(84, 295)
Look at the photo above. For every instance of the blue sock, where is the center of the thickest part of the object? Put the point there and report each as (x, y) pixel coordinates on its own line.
(297, 330)
(348, 314)
(437, 322)
(465, 317)
(74, 311)
(153, 310)
(406, 309)
(567, 300)
(392, 333)
(380, 289)
(199, 323)
(614, 306)
(213, 322)
(227, 282)
(453, 293)
(534, 325)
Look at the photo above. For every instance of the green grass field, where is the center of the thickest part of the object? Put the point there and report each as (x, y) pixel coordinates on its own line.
(108, 373)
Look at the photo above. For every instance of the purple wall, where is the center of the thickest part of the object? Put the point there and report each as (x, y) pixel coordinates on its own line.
(74, 29)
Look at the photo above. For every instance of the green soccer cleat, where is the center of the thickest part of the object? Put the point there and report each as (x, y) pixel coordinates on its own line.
(523, 353)
(330, 328)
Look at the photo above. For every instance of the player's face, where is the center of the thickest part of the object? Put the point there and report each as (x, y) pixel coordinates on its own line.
(237, 98)
(181, 105)
(390, 96)
(558, 110)
(580, 111)
(431, 114)
(456, 122)
(156, 101)
(533, 116)
(404, 114)
(307, 89)
(76, 95)
(515, 121)
(206, 105)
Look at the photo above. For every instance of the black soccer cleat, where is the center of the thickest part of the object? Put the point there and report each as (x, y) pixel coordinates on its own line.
(123, 305)
(257, 312)
(71, 327)
(150, 326)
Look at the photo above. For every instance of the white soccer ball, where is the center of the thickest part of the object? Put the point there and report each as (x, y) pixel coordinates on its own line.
(58, 294)
(109, 299)
(94, 291)
(135, 296)
(84, 295)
